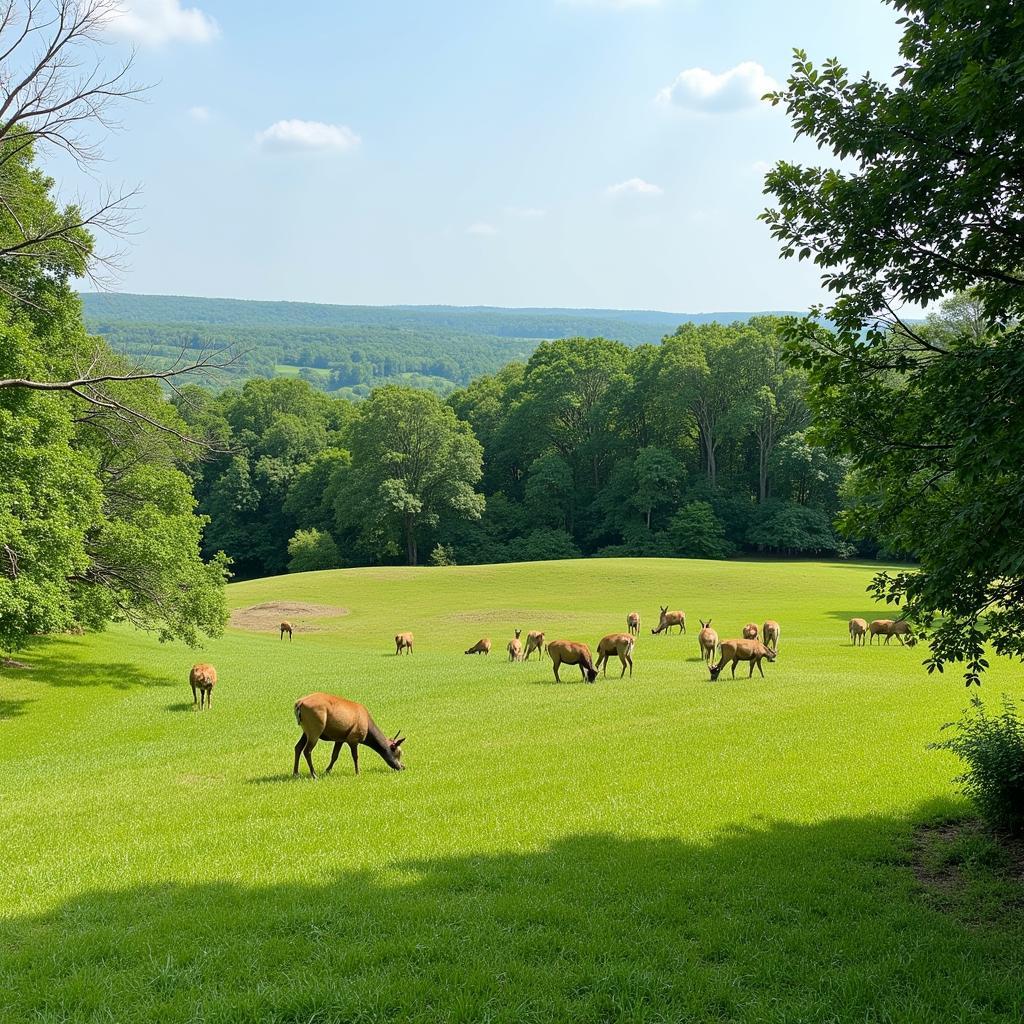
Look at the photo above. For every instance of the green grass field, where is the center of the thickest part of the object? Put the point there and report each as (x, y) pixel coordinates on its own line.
(656, 849)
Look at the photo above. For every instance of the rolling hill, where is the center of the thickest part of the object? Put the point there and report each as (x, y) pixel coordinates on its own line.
(440, 347)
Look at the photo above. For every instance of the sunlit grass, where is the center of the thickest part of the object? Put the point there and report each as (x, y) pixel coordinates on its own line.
(662, 848)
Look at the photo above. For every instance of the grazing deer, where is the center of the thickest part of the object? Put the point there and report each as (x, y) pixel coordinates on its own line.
(481, 646)
(633, 623)
(515, 648)
(286, 627)
(403, 642)
(770, 633)
(752, 651)
(568, 652)
(322, 716)
(534, 642)
(620, 644)
(750, 631)
(890, 628)
(669, 619)
(708, 640)
(203, 677)
(858, 630)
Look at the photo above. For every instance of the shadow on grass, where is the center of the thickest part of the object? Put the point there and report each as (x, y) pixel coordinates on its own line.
(12, 708)
(60, 663)
(268, 780)
(185, 705)
(781, 923)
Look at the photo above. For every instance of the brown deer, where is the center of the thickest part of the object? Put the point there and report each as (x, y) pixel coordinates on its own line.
(752, 651)
(515, 648)
(750, 631)
(203, 677)
(890, 628)
(708, 640)
(568, 652)
(403, 642)
(858, 630)
(620, 644)
(481, 646)
(770, 633)
(322, 716)
(286, 627)
(633, 623)
(534, 642)
(669, 619)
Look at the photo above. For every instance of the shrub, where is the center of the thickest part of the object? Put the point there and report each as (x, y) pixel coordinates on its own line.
(992, 747)
(696, 532)
(792, 529)
(442, 554)
(545, 544)
(309, 550)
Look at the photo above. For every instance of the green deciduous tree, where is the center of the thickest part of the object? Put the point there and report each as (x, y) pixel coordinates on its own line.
(413, 462)
(928, 202)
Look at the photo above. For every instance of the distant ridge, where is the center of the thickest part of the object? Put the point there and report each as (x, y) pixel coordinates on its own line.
(523, 322)
(349, 350)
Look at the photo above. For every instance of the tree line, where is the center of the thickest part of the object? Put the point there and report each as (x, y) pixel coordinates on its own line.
(697, 446)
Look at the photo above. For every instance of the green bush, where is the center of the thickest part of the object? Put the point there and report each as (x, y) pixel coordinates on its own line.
(545, 544)
(696, 532)
(443, 554)
(992, 747)
(310, 550)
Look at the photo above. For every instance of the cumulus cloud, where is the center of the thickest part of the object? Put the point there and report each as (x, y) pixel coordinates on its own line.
(155, 22)
(295, 136)
(634, 187)
(703, 92)
(199, 113)
(481, 228)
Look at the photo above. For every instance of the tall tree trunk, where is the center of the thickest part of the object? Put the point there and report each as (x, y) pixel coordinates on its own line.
(410, 539)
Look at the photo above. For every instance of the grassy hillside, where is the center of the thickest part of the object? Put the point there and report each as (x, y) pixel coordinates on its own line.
(654, 849)
(365, 345)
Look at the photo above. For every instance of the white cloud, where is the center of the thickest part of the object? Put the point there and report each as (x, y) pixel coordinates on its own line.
(481, 228)
(634, 187)
(295, 136)
(703, 92)
(154, 22)
(761, 167)
(199, 113)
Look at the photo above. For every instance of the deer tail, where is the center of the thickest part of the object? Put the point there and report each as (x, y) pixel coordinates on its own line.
(298, 720)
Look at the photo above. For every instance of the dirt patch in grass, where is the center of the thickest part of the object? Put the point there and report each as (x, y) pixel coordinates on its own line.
(11, 663)
(267, 617)
(967, 870)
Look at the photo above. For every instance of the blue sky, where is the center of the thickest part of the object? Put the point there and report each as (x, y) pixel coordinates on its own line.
(601, 153)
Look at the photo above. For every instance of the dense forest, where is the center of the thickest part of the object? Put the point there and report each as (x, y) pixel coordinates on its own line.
(695, 446)
(346, 350)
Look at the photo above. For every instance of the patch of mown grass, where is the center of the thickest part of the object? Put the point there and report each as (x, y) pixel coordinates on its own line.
(658, 849)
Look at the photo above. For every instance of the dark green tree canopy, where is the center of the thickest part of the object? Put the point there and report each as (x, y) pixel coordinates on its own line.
(928, 204)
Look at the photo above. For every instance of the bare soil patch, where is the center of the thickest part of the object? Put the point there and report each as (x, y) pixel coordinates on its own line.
(967, 871)
(267, 617)
(11, 663)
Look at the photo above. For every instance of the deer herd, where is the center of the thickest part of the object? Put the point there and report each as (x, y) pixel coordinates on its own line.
(322, 716)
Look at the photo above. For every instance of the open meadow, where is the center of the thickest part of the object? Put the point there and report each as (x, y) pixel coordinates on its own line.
(661, 848)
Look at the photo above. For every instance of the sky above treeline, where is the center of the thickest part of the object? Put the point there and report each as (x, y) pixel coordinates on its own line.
(597, 153)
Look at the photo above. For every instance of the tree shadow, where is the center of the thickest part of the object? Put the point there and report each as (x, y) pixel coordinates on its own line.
(780, 922)
(12, 708)
(59, 663)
